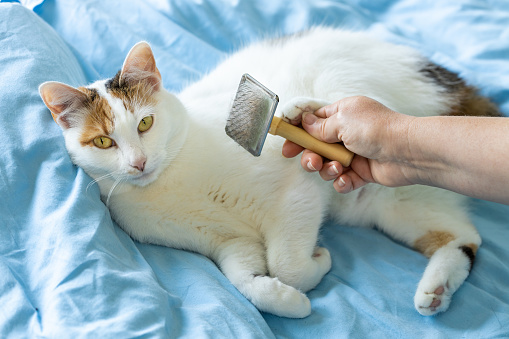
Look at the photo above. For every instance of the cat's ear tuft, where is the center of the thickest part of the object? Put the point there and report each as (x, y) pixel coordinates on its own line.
(140, 65)
(61, 99)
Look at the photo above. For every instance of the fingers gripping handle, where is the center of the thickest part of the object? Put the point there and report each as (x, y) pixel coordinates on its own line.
(299, 136)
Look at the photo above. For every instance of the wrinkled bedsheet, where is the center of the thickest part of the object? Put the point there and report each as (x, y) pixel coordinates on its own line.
(67, 271)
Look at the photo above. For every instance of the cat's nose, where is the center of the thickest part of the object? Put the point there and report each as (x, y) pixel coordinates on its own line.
(139, 164)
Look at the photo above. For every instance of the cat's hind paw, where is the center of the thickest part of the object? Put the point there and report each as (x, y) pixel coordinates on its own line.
(446, 271)
(433, 301)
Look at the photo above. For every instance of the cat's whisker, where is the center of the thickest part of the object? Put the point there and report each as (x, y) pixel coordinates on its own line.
(106, 176)
(119, 181)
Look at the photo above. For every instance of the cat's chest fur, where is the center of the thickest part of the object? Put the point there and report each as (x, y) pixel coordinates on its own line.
(212, 190)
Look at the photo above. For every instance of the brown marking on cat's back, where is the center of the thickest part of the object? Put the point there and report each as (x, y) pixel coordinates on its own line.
(466, 99)
(473, 104)
(99, 118)
(132, 94)
(432, 241)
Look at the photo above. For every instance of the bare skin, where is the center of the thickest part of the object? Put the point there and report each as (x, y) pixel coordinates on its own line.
(467, 155)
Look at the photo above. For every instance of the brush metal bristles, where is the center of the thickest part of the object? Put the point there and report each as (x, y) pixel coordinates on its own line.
(251, 114)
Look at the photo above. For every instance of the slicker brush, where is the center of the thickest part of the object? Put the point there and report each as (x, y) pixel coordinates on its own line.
(252, 117)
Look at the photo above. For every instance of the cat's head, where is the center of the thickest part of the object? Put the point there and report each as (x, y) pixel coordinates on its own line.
(120, 129)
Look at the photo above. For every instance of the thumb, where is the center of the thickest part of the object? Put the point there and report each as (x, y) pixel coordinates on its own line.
(322, 129)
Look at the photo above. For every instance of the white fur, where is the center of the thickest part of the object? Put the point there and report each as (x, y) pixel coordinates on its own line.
(258, 218)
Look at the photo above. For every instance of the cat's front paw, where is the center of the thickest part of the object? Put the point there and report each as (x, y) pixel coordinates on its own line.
(294, 304)
(322, 257)
(433, 301)
(273, 296)
(292, 111)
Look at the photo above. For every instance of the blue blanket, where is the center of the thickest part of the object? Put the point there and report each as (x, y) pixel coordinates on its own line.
(66, 270)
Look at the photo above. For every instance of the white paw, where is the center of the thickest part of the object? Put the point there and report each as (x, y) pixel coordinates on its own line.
(292, 111)
(322, 257)
(280, 299)
(294, 304)
(433, 301)
(310, 272)
(446, 271)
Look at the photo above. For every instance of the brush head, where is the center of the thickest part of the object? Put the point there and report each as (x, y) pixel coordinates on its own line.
(251, 114)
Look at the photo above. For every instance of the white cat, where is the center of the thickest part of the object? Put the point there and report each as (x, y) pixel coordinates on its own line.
(171, 176)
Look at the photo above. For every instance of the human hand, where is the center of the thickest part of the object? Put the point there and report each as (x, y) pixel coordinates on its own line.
(372, 131)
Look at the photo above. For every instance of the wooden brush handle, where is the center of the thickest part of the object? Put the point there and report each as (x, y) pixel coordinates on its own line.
(299, 136)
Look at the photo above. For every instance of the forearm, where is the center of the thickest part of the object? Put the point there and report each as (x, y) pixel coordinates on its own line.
(468, 155)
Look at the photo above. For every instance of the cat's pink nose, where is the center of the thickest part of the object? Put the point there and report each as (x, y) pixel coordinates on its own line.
(139, 164)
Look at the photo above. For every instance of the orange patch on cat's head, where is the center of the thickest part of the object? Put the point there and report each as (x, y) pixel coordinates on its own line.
(99, 118)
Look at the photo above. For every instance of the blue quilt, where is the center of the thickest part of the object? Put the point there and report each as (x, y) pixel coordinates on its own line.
(66, 270)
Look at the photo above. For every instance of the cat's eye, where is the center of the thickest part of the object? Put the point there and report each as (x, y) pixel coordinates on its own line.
(145, 124)
(103, 142)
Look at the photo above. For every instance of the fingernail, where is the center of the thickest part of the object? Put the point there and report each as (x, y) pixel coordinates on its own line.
(341, 182)
(310, 166)
(333, 170)
(309, 118)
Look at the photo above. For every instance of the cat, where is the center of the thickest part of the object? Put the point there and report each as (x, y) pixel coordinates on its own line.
(170, 175)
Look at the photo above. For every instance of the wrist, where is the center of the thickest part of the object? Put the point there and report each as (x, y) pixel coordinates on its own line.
(405, 151)
(419, 162)
(398, 138)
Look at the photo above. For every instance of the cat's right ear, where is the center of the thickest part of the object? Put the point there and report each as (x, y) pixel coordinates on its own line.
(140, 65)
(61, 99)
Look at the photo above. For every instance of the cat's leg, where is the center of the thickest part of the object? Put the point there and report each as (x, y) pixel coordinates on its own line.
(435, 223)
(242, 260)
(291, 237)
(292, 110)
(297, 262)
(291, 240)
(447, 269)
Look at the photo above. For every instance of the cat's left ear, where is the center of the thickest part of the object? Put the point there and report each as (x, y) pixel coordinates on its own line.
(63, 101)
(140, 65)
